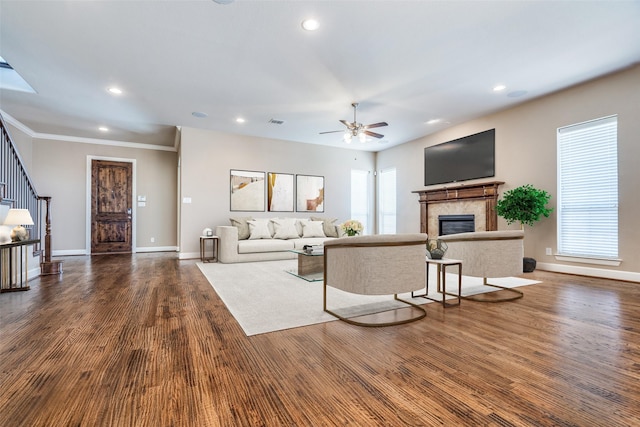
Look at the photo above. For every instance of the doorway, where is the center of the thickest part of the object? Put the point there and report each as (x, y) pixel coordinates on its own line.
(111, 215)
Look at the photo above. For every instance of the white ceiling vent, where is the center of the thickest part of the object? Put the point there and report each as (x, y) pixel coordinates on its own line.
(276, 121)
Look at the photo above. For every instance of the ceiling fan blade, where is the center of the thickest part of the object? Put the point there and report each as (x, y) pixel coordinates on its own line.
(376, 125)
(347, 124)
(373, 134)
(332, 131)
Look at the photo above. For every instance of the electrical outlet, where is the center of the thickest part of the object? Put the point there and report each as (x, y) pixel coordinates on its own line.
(153, 239)
(548, 251)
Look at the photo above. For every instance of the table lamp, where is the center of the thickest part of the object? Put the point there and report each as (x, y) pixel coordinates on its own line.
(18, 217)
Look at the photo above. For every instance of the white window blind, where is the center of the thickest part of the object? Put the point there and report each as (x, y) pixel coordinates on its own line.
(588, 189)
(360, 198)
(387, 202)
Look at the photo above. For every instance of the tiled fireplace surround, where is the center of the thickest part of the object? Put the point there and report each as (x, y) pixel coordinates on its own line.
(476, 199)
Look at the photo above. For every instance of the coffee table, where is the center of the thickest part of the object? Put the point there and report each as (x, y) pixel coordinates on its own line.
(310, 265)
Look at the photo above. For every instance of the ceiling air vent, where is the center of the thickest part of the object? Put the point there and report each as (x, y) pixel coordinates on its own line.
(276, 121)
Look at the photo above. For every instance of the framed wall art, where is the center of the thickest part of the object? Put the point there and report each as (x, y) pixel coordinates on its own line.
(309, 193)
(247, 191)
(279, 192)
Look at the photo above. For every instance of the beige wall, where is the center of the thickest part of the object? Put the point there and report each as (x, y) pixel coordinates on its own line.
(526, 154)
(59, 170)
(207, 157)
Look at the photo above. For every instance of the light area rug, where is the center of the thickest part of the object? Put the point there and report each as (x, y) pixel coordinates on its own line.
(263, 297)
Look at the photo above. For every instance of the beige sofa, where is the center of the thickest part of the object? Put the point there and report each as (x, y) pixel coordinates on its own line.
(233, 247)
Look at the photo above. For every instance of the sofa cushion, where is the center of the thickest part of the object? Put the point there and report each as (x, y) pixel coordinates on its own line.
(312, 229)
(328, 225)
(285, 228)
(242, 225)
(263, 245)
(259, 229)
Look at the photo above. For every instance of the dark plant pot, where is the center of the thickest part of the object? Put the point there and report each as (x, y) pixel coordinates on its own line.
(528, 265)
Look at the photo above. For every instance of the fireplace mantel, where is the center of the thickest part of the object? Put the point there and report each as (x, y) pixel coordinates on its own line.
(486, 191)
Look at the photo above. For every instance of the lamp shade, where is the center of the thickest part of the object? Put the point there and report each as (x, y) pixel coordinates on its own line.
(18, 217)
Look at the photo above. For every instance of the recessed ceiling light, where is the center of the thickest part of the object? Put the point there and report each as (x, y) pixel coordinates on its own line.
(199, 114)
(499, 88)
(240, 120)
(310, 24)
(115, 90)
(434, 121)
(223, 1)
(103, 129)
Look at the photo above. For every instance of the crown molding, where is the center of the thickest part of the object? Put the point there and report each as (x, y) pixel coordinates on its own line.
(82, 140)
(15, 123)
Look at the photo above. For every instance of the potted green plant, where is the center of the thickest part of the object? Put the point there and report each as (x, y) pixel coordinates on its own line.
(526, 205)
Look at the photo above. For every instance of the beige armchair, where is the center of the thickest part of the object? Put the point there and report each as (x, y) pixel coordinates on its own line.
(376, 265)
(489, 254)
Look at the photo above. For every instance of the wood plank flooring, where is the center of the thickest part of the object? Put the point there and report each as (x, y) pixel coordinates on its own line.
(143, 340)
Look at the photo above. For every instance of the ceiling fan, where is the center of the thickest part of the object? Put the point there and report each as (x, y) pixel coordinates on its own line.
(355, 129)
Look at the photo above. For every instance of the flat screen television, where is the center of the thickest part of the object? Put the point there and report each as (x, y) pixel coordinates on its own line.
(462, 159)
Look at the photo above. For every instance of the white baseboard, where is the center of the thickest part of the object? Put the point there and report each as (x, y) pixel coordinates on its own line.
(72, 252)
(158, 249)
(69, 252)
(629, 276)
(188, 255)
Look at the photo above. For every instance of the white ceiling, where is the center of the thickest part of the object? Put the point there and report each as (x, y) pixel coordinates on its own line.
(405, 62)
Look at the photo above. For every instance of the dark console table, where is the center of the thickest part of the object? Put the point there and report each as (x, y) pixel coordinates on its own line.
(14, 266)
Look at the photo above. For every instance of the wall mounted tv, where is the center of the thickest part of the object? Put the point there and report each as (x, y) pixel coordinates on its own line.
(462, 159)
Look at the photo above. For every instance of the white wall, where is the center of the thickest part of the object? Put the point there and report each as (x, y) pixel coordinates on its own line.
(206, 158)
(526, 154)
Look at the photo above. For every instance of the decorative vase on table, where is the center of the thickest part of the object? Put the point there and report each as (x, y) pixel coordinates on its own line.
(436, 248)
(352, 227)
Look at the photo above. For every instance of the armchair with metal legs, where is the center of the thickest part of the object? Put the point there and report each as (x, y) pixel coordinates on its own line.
(377, 265)
(489, 254)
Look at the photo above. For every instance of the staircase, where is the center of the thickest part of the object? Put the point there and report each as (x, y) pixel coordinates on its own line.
(17, 191)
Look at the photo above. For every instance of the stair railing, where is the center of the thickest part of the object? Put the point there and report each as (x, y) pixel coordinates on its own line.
(17, 189)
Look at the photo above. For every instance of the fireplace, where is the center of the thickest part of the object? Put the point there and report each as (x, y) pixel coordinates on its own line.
(477, 199)
(453, 224)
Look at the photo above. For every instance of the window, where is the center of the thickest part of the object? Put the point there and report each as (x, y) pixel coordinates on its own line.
(588, 189)
(360, 198)
(11, 80)
(387, 202)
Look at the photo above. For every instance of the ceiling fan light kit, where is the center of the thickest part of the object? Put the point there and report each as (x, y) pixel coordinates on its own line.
(355, 129)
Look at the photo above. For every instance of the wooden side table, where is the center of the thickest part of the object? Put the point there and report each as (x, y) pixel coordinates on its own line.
(214, 248)
(441, 268)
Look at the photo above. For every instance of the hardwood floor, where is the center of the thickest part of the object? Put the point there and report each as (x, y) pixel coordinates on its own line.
(143, 340)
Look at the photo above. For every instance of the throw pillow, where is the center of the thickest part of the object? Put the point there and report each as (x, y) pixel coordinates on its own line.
(285, 228)
(312, 229)
(328, 226)
(299, 222)
(242, 225)
(259, 229)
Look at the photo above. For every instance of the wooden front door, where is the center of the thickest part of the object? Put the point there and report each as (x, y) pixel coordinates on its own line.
(110, 206)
